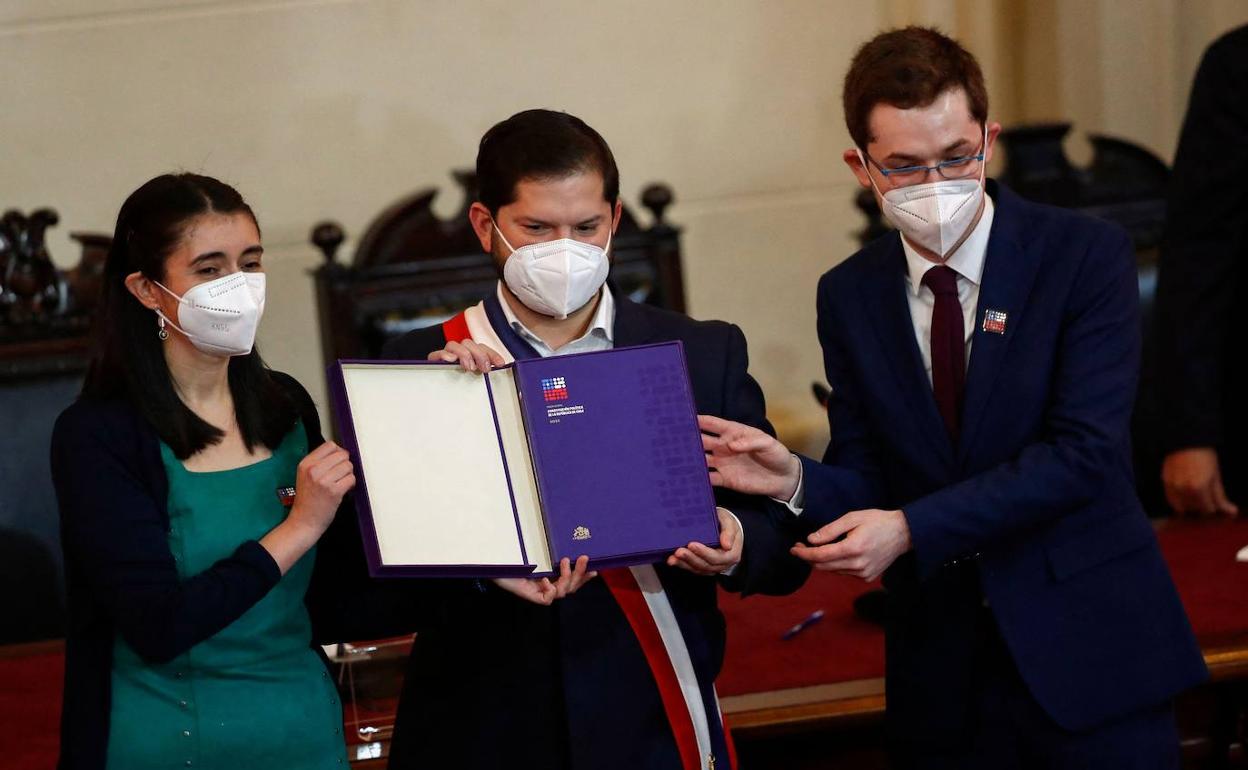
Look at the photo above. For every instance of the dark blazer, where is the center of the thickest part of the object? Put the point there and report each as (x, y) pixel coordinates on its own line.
(120, 574)
(1035, 505)
(1202, 371)
(499, 682)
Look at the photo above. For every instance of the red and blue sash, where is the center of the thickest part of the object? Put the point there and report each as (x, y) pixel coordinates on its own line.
(486, 323)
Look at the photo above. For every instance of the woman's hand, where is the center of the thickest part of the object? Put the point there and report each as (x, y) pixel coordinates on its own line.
(323, 477)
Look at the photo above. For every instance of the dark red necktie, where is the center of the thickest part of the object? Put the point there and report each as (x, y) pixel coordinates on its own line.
(948, 345)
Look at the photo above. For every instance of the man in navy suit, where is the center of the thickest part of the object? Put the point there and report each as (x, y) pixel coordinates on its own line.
(983, 364)
(588, 672)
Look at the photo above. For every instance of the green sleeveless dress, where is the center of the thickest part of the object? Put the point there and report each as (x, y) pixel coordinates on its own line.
(255, 695)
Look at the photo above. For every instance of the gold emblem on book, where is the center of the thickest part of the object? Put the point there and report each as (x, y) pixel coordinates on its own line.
(581, 533)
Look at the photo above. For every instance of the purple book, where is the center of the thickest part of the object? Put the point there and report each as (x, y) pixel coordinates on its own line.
(505, 474)
(615, 441)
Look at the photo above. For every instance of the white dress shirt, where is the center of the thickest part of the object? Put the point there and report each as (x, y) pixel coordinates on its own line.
(599, 336)
(968, 262)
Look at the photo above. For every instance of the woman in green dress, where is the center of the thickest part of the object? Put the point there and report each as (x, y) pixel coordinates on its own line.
(193, 486)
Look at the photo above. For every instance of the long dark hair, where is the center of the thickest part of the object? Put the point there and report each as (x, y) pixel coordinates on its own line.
(127, 359)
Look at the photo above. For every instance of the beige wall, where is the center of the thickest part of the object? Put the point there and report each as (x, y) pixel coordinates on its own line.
(333, 108)
(1120, 67)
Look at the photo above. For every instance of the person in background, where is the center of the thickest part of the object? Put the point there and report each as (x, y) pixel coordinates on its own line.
(193, 485)
(1202, 369)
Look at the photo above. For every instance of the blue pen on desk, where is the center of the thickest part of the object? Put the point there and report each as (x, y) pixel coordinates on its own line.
(806, 623)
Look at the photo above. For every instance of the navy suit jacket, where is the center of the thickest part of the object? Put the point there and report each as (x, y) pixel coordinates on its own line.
(1035, 505)
(495, 681)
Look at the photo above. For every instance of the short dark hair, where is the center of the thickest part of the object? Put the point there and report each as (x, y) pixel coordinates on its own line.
(907, 68)
(127, 360)
(540, 144)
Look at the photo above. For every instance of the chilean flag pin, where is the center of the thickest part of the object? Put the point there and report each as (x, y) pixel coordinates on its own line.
(994, 321)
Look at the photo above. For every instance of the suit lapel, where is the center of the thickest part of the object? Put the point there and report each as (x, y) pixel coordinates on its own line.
(1009, 272)
(632, 327)
(889, 312)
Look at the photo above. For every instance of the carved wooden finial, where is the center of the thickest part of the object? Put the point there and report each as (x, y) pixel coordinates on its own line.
(39, 223)
(328, 236)
(31, 288)
(656, 198)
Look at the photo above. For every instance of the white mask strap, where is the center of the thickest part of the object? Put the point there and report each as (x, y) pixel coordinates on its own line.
(170, 293)
(506, 243)
(169, 320)
(866, 166)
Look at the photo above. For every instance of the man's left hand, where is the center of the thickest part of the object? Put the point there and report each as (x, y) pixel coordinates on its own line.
(542, 590)
(873, 541)
(702, 560)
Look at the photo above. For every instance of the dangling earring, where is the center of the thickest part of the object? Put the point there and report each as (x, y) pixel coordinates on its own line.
(163, 334)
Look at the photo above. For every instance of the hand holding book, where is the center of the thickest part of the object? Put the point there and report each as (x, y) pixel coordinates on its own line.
(470, 355)
(474, 468)
(475, 357)
(701, 559)
(542, 590)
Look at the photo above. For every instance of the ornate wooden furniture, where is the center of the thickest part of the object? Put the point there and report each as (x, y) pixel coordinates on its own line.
(44, 318)
(44, 312)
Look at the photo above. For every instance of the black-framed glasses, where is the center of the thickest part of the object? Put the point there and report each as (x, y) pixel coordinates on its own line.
(954, 168)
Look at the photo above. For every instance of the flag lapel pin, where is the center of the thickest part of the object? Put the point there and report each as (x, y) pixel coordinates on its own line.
(994, 321)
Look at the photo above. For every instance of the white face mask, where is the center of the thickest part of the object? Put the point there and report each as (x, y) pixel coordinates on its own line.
(936, 215)
(220, 317)
(555, 278)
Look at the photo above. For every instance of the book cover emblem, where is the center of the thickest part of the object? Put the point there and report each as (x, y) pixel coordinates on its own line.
(581, 533)
(555, 388)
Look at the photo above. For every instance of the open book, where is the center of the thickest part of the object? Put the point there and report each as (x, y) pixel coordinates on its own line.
(504, 474)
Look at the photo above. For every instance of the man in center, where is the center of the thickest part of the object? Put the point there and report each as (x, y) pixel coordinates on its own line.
(594, 671)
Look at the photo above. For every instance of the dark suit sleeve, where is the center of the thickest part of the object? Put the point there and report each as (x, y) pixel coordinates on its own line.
(116, 542)
(1206, 233)
(415, 345)
(766, 565)
(848, 479)
(1093, 383)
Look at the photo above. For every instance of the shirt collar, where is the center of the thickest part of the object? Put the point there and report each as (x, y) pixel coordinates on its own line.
(967, 261)
(603, 321)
